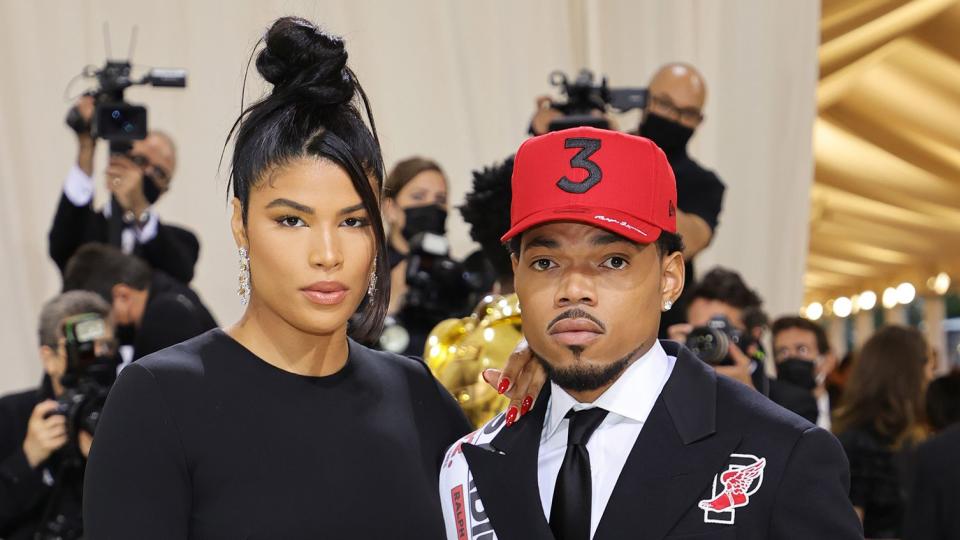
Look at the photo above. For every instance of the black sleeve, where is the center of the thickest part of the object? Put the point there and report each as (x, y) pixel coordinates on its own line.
(704, 198)
(812, 498)
(71, 229)
(445, 421)
(168, 320)
(137, 482)
(21, 488)
(927, 509)
(173, 250)
(860, 476)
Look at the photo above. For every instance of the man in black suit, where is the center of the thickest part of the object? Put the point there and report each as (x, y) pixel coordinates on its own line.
(161, 311)
(33, 441)
(632, 438)
(932, 512)
(135, 182)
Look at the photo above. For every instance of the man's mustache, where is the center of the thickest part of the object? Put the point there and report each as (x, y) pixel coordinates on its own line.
(577, 313)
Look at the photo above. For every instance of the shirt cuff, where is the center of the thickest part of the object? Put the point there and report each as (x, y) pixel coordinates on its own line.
(78, 187)
(149, 230)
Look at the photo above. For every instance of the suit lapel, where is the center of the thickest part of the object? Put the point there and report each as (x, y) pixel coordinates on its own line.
(674, 459)
(505, 474)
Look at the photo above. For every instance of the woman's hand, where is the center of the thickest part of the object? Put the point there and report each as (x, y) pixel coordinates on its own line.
(521, 380)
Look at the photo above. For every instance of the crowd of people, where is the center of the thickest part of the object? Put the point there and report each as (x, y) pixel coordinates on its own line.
(286, 422)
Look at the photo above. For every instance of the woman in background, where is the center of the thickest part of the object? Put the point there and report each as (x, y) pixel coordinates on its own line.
(415, 202)
(881, 421)
(282, 426)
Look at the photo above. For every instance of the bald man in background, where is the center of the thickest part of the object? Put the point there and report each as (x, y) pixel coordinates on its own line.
(674, 111)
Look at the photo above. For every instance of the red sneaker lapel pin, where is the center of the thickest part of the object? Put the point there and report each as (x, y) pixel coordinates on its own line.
(732, 488)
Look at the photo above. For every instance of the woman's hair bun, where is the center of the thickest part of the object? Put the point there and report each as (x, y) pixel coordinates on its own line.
(300, 59)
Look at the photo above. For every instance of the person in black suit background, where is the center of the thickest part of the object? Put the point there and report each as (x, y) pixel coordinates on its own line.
(135, 181)
(161, 310)
(633, 438)
(32, 440)
(932, 511)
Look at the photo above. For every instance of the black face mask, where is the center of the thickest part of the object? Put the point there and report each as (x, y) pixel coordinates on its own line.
(670, 136)
(421, 219)
(797, 371)
(150, 189)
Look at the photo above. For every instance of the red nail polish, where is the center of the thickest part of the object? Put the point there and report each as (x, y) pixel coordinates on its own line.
(525, 405)
(504, 384)
(511, 416)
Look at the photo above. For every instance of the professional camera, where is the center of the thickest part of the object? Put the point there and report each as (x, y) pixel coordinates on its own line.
(711, 343)
(438, 288)
(584, 98)
(114, 119)
(89, 375)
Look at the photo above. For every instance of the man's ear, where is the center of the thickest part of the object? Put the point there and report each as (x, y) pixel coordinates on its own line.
(672, 276)
(237, 226)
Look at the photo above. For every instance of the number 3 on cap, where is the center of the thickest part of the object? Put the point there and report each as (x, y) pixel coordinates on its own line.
(581, 161)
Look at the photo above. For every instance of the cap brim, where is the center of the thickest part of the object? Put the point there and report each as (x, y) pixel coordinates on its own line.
(608, 219)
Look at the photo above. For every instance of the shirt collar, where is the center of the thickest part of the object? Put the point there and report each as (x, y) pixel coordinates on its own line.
(631, 396)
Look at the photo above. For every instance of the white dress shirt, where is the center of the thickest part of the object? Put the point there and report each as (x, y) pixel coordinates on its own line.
(78, 188)
(628, 402)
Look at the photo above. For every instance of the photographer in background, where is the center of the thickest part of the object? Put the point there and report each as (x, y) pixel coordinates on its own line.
(718, 310)
(136, 181)
(32, 438)
(426, 284)
(803, 360)
(161, 310)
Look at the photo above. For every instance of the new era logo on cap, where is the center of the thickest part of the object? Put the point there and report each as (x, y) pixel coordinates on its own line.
(618, 182)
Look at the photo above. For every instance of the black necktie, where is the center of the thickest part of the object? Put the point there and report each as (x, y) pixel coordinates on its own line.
(570, 512)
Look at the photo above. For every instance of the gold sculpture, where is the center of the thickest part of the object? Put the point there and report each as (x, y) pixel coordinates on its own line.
(458, 350)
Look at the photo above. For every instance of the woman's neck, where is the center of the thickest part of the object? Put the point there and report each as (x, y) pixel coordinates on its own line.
(282, 345)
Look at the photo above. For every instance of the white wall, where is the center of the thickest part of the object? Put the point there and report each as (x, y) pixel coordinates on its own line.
(450, 80)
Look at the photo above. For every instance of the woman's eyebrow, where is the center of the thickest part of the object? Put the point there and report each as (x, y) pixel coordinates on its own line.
(291, 204)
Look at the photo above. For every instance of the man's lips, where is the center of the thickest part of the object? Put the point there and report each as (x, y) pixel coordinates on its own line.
(325, 292)
(575, 331)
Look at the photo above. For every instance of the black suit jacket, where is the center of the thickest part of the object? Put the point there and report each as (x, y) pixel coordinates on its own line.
(22, 490)
(933, 512)
(701, 426)
(174, 250)
(174, 313)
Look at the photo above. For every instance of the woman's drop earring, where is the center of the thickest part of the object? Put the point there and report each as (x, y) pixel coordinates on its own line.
(372, 288)
(244, 289)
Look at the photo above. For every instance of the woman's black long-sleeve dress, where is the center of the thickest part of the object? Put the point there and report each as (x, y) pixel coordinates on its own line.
(205, 440)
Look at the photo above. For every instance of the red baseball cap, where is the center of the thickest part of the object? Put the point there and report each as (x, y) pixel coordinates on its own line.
(618, 182)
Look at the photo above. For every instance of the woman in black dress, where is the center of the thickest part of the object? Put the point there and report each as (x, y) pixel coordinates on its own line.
(282, 426)
(880, 422)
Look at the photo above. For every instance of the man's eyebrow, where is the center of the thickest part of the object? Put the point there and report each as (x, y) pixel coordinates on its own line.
(351, 209)
(291, 204)
(543, 242)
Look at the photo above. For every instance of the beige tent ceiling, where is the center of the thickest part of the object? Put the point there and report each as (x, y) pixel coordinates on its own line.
(886, 196)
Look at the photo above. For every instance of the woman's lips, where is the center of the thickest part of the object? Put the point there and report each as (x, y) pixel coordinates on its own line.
(575, 331)
(325, 293)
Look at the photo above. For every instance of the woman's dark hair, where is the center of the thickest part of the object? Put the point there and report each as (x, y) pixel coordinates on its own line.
(885, 391)
(313, 111)
(405, 171)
